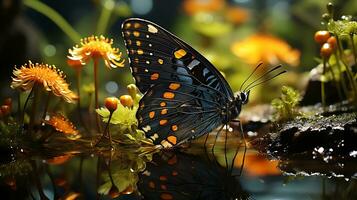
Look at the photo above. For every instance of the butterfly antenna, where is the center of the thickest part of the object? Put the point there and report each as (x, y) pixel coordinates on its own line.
(265, 80)
(262, 76)
(255, 69)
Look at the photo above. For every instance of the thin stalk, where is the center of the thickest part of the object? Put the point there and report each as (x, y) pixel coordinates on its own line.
(55, 17)
(349, 72)
(342, 79)
(78, 72)
(337, 84)
(96, 90)
(107, 9)
(34, 107)
(46, 106)
(106, 131)
(25, 105)
(353, 48)
(323, 97)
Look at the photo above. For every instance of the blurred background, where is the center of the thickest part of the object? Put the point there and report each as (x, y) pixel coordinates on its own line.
(235, 35)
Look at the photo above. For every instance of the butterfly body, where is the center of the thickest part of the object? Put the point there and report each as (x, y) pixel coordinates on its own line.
(185, 96)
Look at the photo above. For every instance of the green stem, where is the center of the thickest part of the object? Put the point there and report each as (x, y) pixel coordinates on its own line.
(349, 73)
(342, 78)
(95, 60)
(46, 105)
(78, 71)
(34, 107)
(25, 105)
(107, 9)
(353, 49)
(55, 17)
(337, 83)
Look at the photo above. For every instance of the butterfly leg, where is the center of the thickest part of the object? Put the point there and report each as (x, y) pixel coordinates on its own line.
(242, 136)
(225, 146)
(215, 140)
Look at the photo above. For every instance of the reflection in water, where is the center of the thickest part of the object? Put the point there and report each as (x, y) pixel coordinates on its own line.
(182, 176)
(128, 174)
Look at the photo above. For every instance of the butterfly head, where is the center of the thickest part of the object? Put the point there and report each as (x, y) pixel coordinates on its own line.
(243, 97)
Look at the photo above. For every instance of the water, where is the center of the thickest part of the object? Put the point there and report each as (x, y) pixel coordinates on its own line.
(74, 171)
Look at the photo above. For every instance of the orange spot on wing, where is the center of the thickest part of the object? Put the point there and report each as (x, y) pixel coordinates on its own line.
(169, 95)
(174, 86)
(163, 178)
(160, 61)
(151, 184)
(174, 173)
(138, 43)
(163, 187)
(166, 196)
(172, 139)
(136, 25)
(164, 111)
(174, 127)
(162, 104)
(140, 51)
(127, 25)
(180, 53)
(152, 114)
(154, 76)
(163, 122)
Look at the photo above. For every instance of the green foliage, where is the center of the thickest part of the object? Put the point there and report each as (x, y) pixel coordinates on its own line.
(342, 28)
(286, 106)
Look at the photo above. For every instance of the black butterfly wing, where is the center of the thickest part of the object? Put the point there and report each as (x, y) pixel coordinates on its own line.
(183, 176)
(157, 56)
(172, 113)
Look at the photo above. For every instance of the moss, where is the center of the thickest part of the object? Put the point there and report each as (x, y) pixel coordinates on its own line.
(286, 106)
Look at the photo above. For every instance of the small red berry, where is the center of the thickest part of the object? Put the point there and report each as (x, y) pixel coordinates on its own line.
(332, 41)
(321, 36)
(111, 103)
(126, 100)
(326, 50)
(5, 109)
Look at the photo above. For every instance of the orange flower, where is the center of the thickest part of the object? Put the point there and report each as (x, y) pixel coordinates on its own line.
(95, 47)
(236, 15)
(194, 6)
(49, 76)
(62, 124)
(266, 48)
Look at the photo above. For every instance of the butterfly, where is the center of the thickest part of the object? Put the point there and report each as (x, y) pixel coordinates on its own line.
(185, 96)
(176, 175)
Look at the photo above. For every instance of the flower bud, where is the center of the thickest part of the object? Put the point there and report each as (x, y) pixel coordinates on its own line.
(321, 36)
(111, 103)
(132, 90)
(126, 101)
(326, 50)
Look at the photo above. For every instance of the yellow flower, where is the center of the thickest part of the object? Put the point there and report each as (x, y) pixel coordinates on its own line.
(267, 49)
(49, 76)
(96, 47)
(62, 124)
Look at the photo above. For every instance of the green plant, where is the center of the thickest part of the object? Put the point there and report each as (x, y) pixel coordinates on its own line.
(286, 106)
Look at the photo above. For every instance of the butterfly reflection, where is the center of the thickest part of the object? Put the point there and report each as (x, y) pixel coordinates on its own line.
(181, 176)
